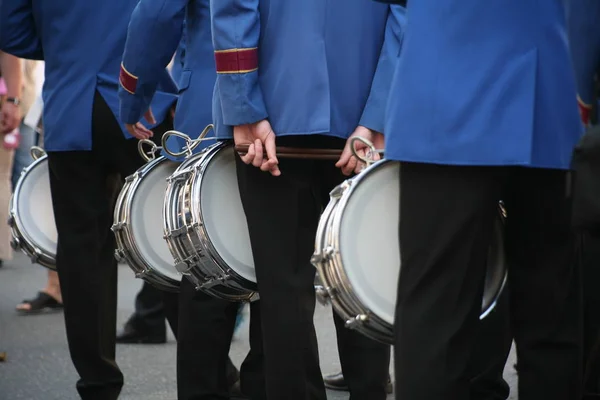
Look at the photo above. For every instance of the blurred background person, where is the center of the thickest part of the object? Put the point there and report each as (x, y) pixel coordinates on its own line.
(10, 117)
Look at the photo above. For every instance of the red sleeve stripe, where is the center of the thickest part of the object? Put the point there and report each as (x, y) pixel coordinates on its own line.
(127, 80)
(236, 61)
(585, 111)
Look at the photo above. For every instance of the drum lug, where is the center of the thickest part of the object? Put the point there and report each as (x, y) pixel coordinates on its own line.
(322, 295)
(339, 190)
(324, 255)
(35, 257)
(141, 274)
(118, 226)
(316, 259)
(183, 266)
(131, 177)
(175, 233)
(357, 321)
(120, 255)
(328, 252)
(211, 282)
(11, 220)
(15, 243)
(179, 176)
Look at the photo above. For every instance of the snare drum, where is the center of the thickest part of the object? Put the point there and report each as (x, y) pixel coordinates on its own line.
(138, 225)
(205, 225)
(357, 254)
(31, 216)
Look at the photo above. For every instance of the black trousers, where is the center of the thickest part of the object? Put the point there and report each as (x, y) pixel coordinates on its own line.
(84, 185)
(490, 351)
(149, 316)
(204, 369)
(447, 216)
(282, 214)
(591, 313)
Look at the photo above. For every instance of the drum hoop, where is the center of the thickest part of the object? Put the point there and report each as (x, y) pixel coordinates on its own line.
(374, 326)
(126, 244)
(327, 259)
(26, 242)
(212, 256)
(501, 258)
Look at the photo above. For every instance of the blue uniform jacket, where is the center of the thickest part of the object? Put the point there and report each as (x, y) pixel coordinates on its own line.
(81, 43)
(484, 83)
(155, 30)
(583, 20)
(308, 66)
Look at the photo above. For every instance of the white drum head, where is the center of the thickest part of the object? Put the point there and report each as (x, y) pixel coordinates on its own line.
(34, 208)
(224, 216)
(147, 219)
(369, 240)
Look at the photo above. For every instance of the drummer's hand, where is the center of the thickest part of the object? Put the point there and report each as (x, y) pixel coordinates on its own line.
(347, 162)
(138, 130)
(257, 136)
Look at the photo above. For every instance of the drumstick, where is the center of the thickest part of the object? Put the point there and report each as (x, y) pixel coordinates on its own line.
(298, 152)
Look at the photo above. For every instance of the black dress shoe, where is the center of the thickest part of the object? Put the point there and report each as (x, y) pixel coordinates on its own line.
(337, 382)
(130, 336)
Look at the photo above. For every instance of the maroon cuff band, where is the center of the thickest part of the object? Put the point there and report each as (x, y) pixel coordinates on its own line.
(127, 80)
(236, 61)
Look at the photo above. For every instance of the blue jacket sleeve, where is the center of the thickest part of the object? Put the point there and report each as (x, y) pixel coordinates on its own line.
(236, 30)
(154, 32)
(18, 33)
(373, 116)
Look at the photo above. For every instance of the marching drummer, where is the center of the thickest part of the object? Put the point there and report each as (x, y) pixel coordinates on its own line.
(584, 36)
(87, 151)
(490, 114)
(303, 82)
(156, 28)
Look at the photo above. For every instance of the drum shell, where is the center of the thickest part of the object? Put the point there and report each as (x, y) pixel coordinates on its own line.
(126, 248)
(20, 239)
(334, 283)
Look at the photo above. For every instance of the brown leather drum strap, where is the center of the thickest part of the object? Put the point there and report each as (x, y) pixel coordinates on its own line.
(298, 153)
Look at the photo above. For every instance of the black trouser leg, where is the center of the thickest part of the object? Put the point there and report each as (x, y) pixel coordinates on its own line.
(149, 316)
(490, 352)
(252, 376)
(591, 301)
(545, 285)
(282, 238)
(87, 269)
(445, 229)
(205, 331)
(170, 302)
(83, 186)
(365, 363)
(282, 214)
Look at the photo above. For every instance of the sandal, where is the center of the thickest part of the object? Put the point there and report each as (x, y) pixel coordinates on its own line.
(42, 302)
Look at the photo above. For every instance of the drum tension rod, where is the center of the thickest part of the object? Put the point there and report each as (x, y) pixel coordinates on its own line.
(357, 321)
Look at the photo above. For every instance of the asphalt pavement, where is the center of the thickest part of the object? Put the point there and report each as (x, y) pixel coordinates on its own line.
(38, 366)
